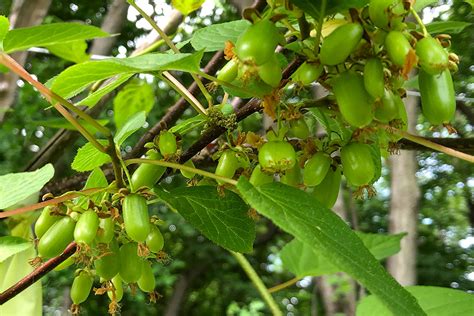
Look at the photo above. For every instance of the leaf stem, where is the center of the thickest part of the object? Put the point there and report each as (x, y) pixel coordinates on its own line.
(176, 85)
(257, 281)
(173, 47)
(424, 142)
(224, 83)
(116, 162)
(283, 285)
(419, 21)
(320, 24)
(181, 167)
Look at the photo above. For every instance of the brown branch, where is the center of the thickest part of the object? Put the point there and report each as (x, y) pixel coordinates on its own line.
(37, 274)
(465, 145)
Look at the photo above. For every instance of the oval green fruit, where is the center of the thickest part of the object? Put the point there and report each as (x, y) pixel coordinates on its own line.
(386, 13)
(374, 82)
(229, 71)
(270, 72)
(131, 264)
(135, 217)
(327, 191)
(276, 156)
(86, 227)
(107, 266)
(105, 233)
(56, 238)
(398, 47)
(188, 174)
(154, 240)
(307, 73)
(257, 44)
(432, 57)
(258, 177)
(292, 176)
(438, 100)
(81, 287)
(146, 283)
(357, 164)
(354, 102)
(316, 168)
(167, 143)
(227, 165)
(147, 174)
(387, 108)
(45, 221)
(117, 283)
(338, 45)
(65, 264)
(299, 128)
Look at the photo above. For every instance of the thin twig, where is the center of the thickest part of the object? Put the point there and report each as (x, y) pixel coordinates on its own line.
(253, 276)
(283, 285)
(176, 85)
(171, 45)
(37, 274)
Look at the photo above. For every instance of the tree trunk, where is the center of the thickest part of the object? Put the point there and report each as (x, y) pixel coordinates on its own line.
(112, 23)
(23, 13)
(403, 206)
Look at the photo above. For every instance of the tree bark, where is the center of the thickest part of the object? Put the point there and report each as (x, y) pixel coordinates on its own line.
(23, 13)
(403, 206)
(112, 24)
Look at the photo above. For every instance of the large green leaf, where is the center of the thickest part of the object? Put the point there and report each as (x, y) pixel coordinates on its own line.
(223, 218)
(303, 260)
(61, 122)
(28, 302)
(133, 124)
(75, 79)
(452, 27)
(187, 6)
(92, 99)
(88, 157)
(15, 187)
(435, 301)
(49, 34)
(137, 96)
(301, 215)
(213, 37)
(74, 51)
(11, 245)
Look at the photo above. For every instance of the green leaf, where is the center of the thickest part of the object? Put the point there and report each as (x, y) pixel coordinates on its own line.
(331, 123)
(421, 4)
(221, 218)
(303, 260)
(12, 270)
(74, 51)
(137, 96)
(412, 83)
(435, 301)
(49, 34)
(377, 159)
(11, 245)
(131, 126)
(96, 179)
(4, 26)
(381, 246)
(88, 157)
(63, 123)
(188, 124)
(301, 215)
(213, 37)
(187, 6)
(313, 7)
(92, 99)
(76, 78)
(15, 187)
(452, 27)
